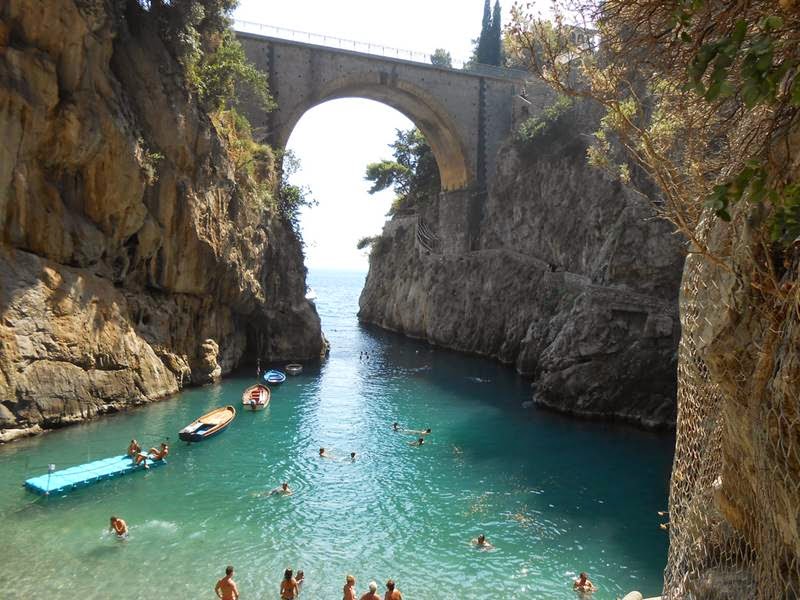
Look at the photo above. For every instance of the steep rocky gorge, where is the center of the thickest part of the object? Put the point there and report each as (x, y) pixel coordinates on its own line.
(133, 261)
(567, 275)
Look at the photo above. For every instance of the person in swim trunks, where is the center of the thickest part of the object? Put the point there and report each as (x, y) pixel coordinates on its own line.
(226, 587)
(419, 442)
(153, 454)
(119, 527)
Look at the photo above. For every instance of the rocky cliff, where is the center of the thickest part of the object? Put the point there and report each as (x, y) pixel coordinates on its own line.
(564, 274)
(133, 261)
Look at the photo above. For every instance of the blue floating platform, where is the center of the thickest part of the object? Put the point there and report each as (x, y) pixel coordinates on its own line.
(83, 475)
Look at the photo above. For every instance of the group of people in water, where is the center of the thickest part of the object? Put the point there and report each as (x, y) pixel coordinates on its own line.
(141, 458)
(291, 584)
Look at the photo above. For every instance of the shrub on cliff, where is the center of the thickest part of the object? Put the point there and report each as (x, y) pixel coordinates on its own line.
(413, 174)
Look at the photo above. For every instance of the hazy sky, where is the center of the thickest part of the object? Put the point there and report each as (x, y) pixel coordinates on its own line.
(335, 141)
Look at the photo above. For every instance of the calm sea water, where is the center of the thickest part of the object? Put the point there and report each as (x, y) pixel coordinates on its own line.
(554, 495)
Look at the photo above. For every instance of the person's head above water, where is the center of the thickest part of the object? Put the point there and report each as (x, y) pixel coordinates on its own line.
(353, 455)
(428, 430)
(481, 539)
(421, 441)
(395, 425)
(390, 585)
(373, 587)
(287, 574)
(350, 580)
(583, 576)
(229, 570)
(321, 451)
(285, 485)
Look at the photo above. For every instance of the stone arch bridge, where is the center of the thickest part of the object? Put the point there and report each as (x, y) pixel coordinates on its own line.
(464, 114)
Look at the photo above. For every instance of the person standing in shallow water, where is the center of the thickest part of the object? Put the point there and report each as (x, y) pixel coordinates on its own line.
(226, 587)
(583, 585)
(289, 589)
(119, 527)
(391, 592)
(372, 594)
(349, 589)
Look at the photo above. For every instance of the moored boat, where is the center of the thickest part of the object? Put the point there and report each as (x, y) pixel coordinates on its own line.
(274, 377)
(294, 369)
(209, 425)
(256, 397)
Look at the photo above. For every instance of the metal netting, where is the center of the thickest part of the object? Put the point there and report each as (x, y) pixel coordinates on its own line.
(735, 491)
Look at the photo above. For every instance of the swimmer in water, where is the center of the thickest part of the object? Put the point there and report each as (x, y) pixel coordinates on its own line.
(352, 457)
(419, 431)
(299, 579)
(419, 442)
(482, 542)
(282, 489)
(119, 527)
(583, 585)
(396, 426)
(324, 453)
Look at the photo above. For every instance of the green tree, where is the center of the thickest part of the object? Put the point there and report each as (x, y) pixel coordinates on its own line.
(441, 58)
(496, 37)
(413, 174)
(483, 53)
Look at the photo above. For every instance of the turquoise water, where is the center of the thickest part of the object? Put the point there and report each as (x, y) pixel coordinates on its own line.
(554, 495)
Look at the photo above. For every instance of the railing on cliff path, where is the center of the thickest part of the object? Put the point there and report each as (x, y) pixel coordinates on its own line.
(426, 239)
(374, 49)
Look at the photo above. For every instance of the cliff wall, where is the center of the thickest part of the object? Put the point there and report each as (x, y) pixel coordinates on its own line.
(564, 274)
(133, 261)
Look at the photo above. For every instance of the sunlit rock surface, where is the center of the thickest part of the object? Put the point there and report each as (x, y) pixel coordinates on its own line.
(131, 262)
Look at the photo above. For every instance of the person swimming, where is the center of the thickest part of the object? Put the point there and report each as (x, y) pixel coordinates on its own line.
(226, 588)
(324, 453)
(418, 431)
(119, 527)
(299, 579)
(419, 442)
(482, 542)
(283, 489)
(396, 426)
(583, 585)
(352, 457)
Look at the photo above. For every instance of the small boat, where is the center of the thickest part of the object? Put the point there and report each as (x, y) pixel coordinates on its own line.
(294, 369)
(209, 425)
(256, 397)
(273, 376)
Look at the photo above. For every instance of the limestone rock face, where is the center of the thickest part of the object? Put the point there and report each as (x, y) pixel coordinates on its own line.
(568, 276)
(131, 261)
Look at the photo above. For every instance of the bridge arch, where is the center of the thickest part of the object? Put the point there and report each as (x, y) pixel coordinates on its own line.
(414, 103)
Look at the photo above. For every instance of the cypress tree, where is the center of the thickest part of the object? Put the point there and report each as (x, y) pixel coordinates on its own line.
(496, 37)
(484, 41)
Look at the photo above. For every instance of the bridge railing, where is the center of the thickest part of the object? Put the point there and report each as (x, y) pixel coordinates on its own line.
(369, 48)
